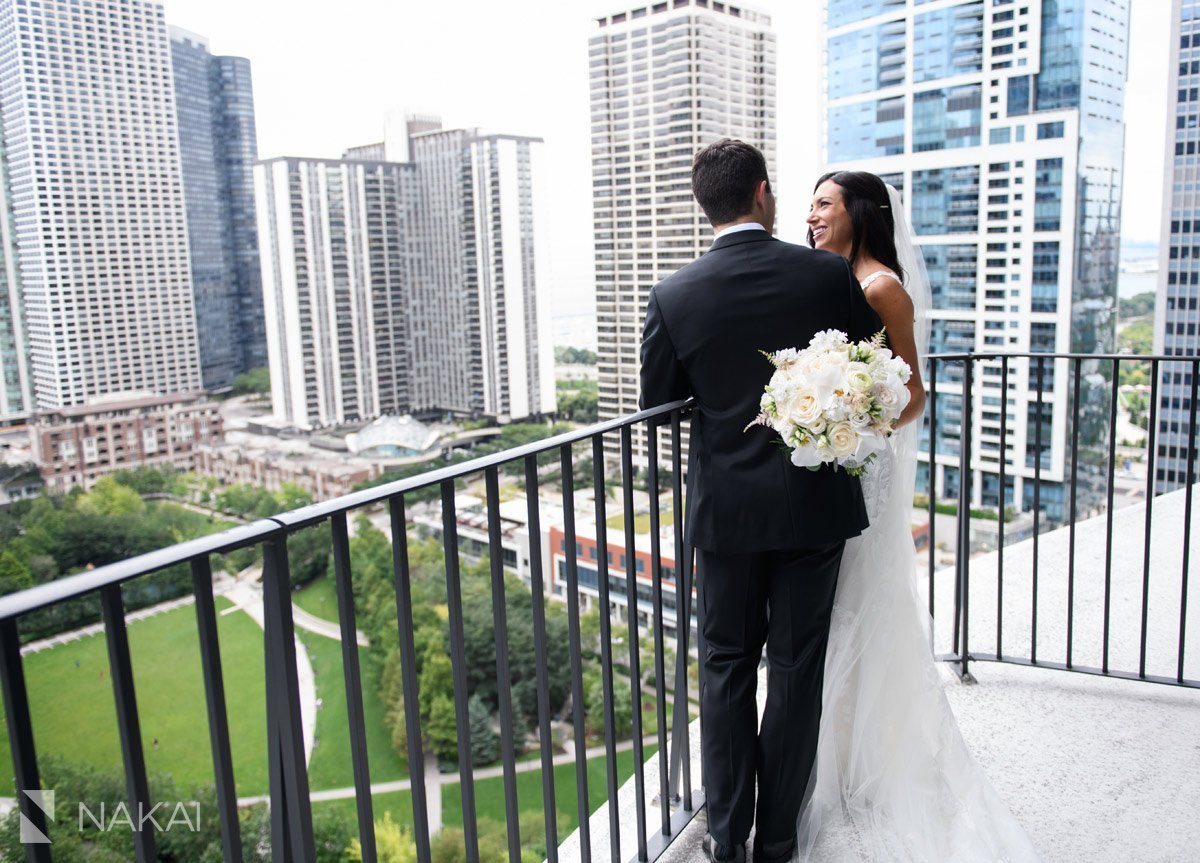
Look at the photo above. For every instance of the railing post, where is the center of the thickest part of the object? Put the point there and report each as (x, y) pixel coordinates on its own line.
(218, 724)
(932, 489)
(20, 737)
(137, 788)
(964, 517)
(681, 744)
(291, 809)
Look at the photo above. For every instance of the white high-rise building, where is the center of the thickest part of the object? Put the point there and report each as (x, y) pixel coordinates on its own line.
(476, 305)
(1002, 124)
(91, 144)
(405, 286)
(336, 240)
(1177, 317)
(667, 79)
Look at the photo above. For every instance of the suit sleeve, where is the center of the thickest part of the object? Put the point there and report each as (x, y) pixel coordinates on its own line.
(663, 379)
(864, 322)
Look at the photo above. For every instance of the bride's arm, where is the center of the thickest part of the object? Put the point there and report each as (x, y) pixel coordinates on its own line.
(893, 305)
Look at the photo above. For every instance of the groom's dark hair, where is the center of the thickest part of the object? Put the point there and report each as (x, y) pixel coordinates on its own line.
(724, 177)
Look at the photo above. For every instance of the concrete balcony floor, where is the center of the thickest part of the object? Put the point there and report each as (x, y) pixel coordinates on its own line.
(1097, 769)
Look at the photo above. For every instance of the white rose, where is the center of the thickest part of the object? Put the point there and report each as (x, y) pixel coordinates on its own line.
(858, 377)
(843, 439)
(859, 420)
(817, 426)
(805, 406)
(891, 398)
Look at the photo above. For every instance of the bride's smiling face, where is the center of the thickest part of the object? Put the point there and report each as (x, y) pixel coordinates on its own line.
(828, 221)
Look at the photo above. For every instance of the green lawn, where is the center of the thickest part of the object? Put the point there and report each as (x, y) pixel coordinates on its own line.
(318, 598)
(489, 793)
(71, 700)
(330, 766)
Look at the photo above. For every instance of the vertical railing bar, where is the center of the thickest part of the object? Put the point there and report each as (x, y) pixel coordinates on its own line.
(660, 688)
(681, 756)
(537, 588)
(283, 688)
(280, 843)
(1151, 461)
(1003, 507)
(606, 670)
(1071, 528)
(1108, 534)
(576, 653)
(352, 679)
(1037, 505)
(964, 510)
(932, 489)
(1187, 518)
(503, 678)
(137, 788)
(20, 736)
(458, 664)
(635, 670)
(402, 579)
(218, 721)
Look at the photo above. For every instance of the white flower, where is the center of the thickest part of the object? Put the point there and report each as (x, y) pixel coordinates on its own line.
(817, 426)
(859, 420)
(843, 439)
(869, 443)
(806, 456)
(828, 340)
(892, 398)
(858, 377)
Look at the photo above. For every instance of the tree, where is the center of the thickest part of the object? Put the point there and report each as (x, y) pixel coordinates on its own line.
(436, 681)
(1137, 306)
(393, 844)
(109, 497)
(14, 575)
(441, 732)
(485, 743)
(254, 381)
(308, 554)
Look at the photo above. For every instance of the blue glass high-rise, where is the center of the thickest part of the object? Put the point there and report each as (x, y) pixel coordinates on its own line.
(1002, 121)
(214, 102)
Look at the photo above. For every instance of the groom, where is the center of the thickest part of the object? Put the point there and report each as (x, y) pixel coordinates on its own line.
(768, 536)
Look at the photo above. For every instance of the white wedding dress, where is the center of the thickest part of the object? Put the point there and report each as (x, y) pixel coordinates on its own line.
(893, 779)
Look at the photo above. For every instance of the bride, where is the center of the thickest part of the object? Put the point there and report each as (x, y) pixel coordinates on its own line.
(892, 772)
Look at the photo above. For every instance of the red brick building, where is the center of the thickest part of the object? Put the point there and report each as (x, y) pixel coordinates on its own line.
(78, 445)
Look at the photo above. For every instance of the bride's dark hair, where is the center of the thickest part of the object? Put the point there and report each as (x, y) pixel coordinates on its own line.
(865, 197)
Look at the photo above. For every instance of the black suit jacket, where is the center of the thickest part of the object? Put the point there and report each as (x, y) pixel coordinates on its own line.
(705, 326)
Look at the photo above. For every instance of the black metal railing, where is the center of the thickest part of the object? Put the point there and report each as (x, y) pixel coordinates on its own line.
(1074, 455)
(291, 813)
(1071, 471)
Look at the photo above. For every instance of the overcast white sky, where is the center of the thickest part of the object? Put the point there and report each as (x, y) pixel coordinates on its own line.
(325, 73)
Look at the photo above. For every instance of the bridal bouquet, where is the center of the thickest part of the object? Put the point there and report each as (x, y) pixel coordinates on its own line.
(835, 401)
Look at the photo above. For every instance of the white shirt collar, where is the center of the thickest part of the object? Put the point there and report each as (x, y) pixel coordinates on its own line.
(740, 226)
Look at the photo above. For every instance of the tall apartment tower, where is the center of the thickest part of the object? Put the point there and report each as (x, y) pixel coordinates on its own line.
(405, 285)
(92, 147)
(1002, 125)
(1176, 318)
(218, 146)
(337, 270)
(478, 344)
(16, 393)
(666, 80)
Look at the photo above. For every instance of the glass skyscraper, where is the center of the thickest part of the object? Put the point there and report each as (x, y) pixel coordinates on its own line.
(1177, 319)
(1001, 123)
(217, 143)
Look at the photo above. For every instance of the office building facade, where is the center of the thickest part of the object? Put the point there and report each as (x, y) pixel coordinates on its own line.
(101, 229)
(1177, 319)
(666, 79)
(1002, 125)
(218, 147)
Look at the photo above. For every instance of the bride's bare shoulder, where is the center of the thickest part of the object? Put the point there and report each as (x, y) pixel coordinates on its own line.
(886, 295)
